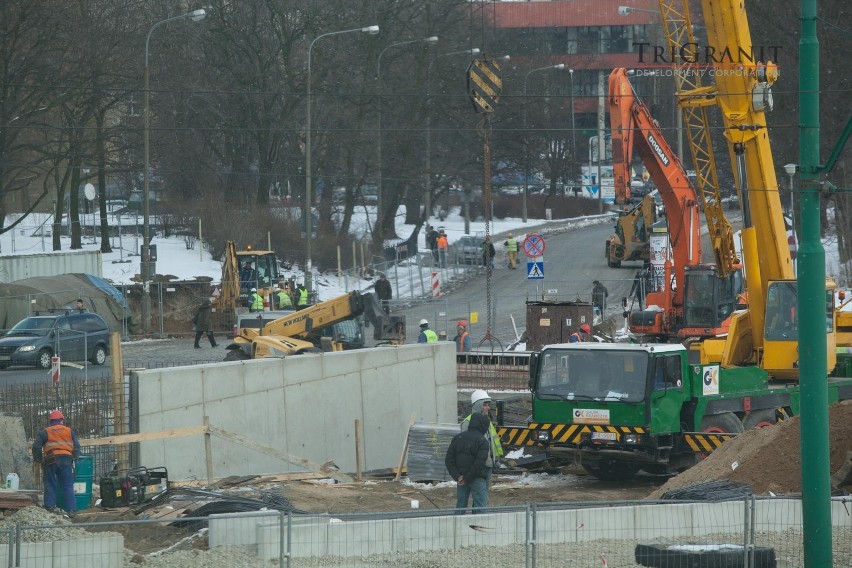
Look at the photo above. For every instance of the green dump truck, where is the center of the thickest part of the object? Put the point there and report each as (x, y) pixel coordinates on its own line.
(621, 408)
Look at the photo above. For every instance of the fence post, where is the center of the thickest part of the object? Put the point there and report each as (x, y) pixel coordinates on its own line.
(746, 503)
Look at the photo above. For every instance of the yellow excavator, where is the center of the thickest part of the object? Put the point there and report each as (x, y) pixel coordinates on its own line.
(630, 241)
(296, 333)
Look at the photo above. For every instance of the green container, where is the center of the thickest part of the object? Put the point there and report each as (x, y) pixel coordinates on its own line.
(83, 475)
(85, 466)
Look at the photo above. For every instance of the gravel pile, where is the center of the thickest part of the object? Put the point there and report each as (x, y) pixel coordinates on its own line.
(36, 516)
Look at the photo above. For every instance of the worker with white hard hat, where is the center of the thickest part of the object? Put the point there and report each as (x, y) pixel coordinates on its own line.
(255, 301)
(426, 334)
(481, 403)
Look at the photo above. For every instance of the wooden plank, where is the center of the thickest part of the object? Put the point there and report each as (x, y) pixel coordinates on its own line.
(145, 436)
(208, 450)
(358, 449)
(118, 397)
(404, 447)
(237, 439)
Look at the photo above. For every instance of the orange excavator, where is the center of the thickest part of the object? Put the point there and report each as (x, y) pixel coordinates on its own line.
(689, 299)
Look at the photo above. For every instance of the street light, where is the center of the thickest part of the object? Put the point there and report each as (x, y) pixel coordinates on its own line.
(472, 51)
(145, 266)
(573, 121)
(372, 30)
(526, 144)
(379, 201)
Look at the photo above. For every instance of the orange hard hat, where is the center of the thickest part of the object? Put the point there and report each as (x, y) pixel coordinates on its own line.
(56, 415)
(585, 327)
(462, 323)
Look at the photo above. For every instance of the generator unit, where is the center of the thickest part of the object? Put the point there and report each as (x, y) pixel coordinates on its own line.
(129, 487)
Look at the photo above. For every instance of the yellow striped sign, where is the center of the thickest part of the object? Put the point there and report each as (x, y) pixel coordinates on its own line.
(563, 433)
(484, 84)
(704, 442)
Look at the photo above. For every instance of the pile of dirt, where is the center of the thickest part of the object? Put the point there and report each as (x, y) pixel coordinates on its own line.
(768, 459)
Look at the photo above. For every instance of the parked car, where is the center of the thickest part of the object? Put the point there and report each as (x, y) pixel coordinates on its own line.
(73, 335)
(468, 249)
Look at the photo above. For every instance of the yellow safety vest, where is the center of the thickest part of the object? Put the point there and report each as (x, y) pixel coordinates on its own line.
(303, 297)
(284, 300)
(256, 302)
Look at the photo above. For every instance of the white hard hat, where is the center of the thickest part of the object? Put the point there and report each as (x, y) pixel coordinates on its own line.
(254, 289)
(478, 395)
(424, 322)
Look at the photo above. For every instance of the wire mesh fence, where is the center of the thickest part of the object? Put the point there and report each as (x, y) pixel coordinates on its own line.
(747, 533)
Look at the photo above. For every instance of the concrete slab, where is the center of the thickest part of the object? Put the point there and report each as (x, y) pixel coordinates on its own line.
(220, 383)
(424, 533)
(487, 529)
(556, 527)
(777, 515)
(660, 521)
(598, 522)
(238, 530)
(106, 551)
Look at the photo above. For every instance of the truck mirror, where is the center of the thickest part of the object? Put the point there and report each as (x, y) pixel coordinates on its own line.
(533, 369)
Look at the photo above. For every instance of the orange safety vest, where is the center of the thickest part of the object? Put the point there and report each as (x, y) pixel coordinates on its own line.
(59, 441)
(442, 242)
(461, 341)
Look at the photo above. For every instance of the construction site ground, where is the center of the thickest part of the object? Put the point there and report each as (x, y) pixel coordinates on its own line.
(768, 460)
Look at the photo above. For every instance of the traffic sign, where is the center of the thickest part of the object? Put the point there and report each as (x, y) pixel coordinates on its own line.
(534, 245)
(535, 270)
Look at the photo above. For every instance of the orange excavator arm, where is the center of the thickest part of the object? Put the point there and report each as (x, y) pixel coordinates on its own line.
(633, 127)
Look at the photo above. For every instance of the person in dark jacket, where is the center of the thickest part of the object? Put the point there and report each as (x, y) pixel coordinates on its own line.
(384, 292)
(465, 461)
(55, 448)
(202, 323)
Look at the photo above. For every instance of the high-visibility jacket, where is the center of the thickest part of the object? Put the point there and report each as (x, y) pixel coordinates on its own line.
(511, 245)
(442, 242)
(496, 446)
(60, 441)
(284, 300)
(429, 336)
(255, 302)
(303, 296)
(460, 342)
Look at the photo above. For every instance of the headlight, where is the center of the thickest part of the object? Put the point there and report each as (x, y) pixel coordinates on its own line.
(630, 439)
(24, 348)
(542, 436)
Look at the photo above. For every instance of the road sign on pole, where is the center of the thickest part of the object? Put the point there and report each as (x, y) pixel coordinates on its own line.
(534, 245)
(535, 270)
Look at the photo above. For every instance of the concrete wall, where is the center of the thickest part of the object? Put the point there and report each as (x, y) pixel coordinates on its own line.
(305, 406)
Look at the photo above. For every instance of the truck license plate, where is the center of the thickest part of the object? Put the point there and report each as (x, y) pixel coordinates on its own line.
(604, 436)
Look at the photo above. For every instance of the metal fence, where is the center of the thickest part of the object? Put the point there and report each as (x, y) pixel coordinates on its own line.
(749, 532)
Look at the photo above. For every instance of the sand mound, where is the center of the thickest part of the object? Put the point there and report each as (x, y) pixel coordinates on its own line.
(768, 459)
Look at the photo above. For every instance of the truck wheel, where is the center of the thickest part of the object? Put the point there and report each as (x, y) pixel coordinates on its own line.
(236, 355)
(609, 260)
(760, 419)
(607, 470)
(724, 422)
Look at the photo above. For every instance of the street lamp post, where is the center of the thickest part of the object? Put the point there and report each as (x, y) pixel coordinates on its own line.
(573, 121)
(372, 30)
(428, 186)
(145, 266)
(526, 142)
(379, 189)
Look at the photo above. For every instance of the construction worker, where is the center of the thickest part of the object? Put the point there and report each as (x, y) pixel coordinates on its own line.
(512, 251)
(581, 335)
(255, 301)
(55, 448)
(302, 296)
(465, 461)
(426, 334)
(443, 244)
(599, 296)
(462, 337)
(481, 404)
(282, 299)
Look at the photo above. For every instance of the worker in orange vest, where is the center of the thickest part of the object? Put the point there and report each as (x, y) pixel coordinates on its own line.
(55, 448)
(462, 337)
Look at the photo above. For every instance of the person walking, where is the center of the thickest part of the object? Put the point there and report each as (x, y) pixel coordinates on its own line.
(462, 337)
(465, 461)
(599, 296)
(55, 448)
(255, 301)
(384, 292)
(512, 251)
(481, 405)
(581, 335)
(443, 244)
(426, 334)
(488, 253)
(432, 242)
(202, 323)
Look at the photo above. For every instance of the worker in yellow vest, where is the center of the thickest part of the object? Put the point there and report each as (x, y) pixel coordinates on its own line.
(303, 296)
(426, 334)
(512, 251)
(255, 301)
